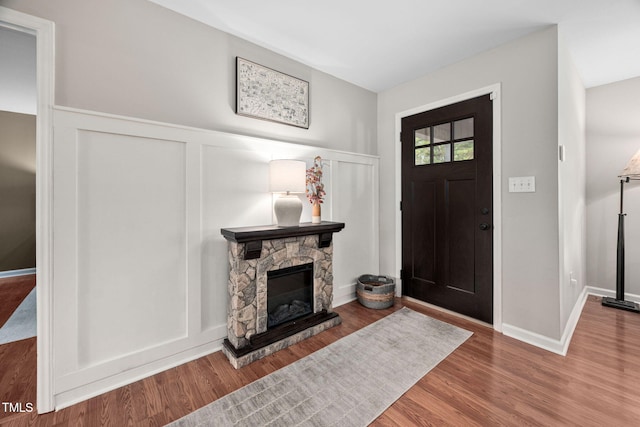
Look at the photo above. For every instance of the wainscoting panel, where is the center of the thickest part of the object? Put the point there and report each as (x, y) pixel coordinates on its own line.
(140, 266)
(131, 239)
(228, 173)
(354, 199)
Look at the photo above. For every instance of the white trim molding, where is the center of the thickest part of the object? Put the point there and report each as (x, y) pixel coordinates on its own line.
(560, 346)
(495, 91)
(602, 292)
(17, 273)
(44, 31)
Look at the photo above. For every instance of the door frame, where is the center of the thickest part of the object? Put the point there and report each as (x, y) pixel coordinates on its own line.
(45, 71)
(495, 92)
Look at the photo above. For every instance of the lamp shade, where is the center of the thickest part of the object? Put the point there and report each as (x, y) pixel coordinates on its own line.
(287, 176)
(632, 170)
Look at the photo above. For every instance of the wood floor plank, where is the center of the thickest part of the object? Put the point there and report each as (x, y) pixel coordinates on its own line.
(17, 373)
(491, 379)
(13, 290)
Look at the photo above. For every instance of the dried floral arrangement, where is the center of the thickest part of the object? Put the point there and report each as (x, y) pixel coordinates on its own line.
(315, 188)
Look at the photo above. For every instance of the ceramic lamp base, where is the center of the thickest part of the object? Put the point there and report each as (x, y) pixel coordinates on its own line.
(288, 209)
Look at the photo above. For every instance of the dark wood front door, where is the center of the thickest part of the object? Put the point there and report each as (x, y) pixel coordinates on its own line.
(447, 201)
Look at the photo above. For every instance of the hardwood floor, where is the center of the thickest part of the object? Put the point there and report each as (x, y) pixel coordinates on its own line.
(12, 291)
(489, 380)
(17, 359)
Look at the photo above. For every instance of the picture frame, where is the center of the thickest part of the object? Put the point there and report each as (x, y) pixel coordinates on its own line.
(267, 94)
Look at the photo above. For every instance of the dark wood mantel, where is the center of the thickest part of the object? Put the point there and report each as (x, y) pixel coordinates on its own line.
(253, 236)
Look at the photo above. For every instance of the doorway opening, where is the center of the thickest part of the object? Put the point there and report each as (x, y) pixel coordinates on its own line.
(18, 109)
(43, 31)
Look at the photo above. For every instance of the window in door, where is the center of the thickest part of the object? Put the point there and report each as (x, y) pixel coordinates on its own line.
(444, 142)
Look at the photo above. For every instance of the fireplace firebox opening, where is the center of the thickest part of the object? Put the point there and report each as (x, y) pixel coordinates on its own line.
(289, 294)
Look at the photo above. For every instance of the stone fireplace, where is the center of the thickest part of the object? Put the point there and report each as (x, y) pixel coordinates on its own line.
(282, 273)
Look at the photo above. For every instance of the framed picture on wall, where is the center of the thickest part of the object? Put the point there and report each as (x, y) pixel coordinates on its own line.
(268, 94)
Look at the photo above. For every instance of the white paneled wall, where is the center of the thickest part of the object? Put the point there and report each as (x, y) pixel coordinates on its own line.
(130, 210)
(140, 267)
(355, 203)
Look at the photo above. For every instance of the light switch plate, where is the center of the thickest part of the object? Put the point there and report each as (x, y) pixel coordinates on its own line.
(522, 184)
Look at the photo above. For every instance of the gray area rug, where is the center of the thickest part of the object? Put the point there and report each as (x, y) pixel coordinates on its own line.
(22, 323)
(348, 383)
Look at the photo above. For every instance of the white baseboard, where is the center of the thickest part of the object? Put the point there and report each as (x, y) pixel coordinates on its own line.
(344, 295)
(570, 327)
(601, 292)
(561, 346)
(555, 346)
(537, 340)
(80, 394)
(16, 273)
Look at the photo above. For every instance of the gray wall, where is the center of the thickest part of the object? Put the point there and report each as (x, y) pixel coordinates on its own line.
(613, 137)
(571, 183)
(528, 72)
(17, 191)
(138, 59)
(135, 58)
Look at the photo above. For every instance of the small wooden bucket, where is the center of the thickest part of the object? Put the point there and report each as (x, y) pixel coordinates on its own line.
(375, 291)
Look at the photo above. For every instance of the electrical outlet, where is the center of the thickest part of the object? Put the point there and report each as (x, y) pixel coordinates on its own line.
(522, 184)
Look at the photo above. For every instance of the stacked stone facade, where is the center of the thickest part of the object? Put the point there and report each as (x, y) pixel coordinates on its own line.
(247, 287)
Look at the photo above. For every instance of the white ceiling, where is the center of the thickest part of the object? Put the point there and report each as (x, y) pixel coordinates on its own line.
(378, 44)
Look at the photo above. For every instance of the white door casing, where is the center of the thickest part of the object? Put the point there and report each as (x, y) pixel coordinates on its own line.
(45, 63)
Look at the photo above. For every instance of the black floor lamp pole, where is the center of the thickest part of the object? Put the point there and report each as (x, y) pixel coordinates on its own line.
(618, 301)
(620, 252)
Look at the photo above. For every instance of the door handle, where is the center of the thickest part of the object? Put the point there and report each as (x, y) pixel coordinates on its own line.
(484, 226)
